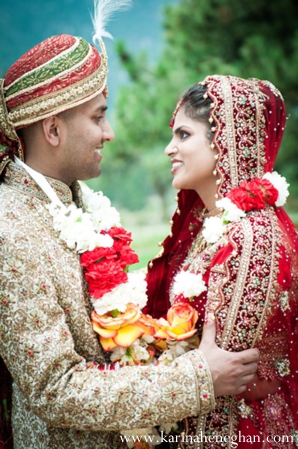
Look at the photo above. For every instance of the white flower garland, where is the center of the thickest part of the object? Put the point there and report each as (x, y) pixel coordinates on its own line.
(188, 284)
(81, 230)
(281, 185)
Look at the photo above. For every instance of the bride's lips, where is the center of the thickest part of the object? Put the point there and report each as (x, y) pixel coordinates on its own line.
(176, 164)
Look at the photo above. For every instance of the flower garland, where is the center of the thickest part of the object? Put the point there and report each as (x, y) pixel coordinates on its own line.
(118, 296)
(272, 189)
(105, 251)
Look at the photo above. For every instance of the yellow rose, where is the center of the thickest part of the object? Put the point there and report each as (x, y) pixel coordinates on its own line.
(180, 323)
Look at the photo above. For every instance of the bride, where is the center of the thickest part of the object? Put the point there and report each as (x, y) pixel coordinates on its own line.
(229, 226)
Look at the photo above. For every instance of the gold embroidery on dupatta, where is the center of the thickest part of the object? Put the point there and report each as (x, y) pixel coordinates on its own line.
(282, 367)
(284, 301)
(240, 130)
(244, 409)
(231, 141)
(239, 287)
(272, 283)
(260, 124)
(272, 349)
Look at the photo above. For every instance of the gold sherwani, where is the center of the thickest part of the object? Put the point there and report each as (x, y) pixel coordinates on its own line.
(60, 399)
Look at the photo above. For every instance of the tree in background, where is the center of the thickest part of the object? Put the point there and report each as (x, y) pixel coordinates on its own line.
(246, 39)
(143, 112)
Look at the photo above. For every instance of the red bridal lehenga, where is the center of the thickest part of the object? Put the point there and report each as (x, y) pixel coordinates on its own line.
(250, 272)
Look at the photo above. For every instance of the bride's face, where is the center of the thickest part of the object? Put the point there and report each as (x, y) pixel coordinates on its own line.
(191, 156)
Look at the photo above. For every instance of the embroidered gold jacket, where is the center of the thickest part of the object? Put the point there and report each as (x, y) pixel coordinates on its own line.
(60, 400)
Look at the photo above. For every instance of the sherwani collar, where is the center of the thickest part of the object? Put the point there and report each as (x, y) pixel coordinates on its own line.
(18, 179)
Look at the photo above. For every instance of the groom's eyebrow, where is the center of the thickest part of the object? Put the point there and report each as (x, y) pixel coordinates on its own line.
(101, 109)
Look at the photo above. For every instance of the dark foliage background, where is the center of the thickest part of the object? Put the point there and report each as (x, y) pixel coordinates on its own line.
(160, 48)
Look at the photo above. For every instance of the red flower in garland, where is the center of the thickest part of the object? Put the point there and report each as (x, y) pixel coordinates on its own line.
(95, 256)
(271, 193)
(122, 241)
(120, 235)
(254, 194)
(105, 267)
(128, 256)
(104, 276)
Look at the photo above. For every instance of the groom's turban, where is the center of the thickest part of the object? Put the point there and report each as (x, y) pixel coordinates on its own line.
(58, 74)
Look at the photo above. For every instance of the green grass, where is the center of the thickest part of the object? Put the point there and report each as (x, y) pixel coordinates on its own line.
(147, 231)
(145, 242)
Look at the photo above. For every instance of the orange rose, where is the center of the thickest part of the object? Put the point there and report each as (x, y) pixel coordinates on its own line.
(121, 330)
(149, 325)
(180, 323)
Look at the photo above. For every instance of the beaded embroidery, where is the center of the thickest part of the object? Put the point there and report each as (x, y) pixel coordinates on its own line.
(284, 301)
(282, 367)
(244, 409)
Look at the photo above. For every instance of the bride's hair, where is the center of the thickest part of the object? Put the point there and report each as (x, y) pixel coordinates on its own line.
(196, 105)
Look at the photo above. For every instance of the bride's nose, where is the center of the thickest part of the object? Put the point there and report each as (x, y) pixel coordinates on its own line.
(171, 149)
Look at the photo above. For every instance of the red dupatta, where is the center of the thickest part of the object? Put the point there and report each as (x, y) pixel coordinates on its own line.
(248, 120)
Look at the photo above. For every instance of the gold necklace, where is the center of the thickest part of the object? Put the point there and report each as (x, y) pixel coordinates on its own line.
(212, 213)
(198, 245)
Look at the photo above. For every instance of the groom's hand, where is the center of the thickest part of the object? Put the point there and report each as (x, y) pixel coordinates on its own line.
(231, 371)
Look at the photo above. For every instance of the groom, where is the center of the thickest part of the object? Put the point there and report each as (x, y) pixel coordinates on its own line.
(53, 117)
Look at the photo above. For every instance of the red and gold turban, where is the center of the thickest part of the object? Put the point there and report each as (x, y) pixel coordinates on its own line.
(58, 74)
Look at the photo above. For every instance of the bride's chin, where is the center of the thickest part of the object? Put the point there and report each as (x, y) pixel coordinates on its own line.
(176, 184)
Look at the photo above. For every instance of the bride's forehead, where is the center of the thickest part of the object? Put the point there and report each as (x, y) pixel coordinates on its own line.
(183, 120)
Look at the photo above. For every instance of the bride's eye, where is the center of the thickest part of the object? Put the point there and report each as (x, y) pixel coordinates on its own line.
(184, 134)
